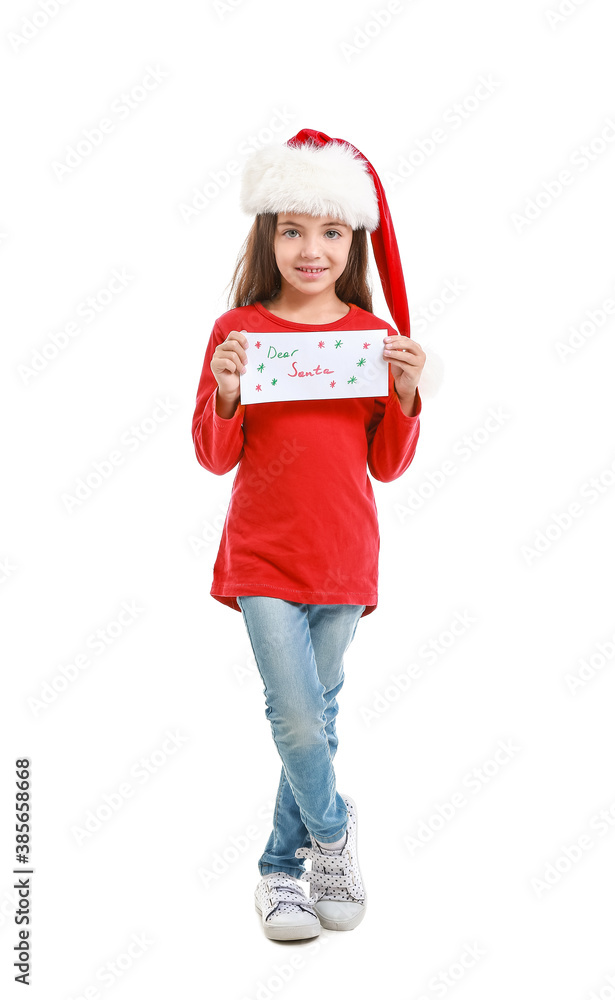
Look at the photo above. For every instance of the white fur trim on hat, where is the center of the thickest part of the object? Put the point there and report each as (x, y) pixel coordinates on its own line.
(311, 179)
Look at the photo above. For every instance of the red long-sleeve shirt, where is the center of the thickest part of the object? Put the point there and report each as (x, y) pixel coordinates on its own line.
(302, 521)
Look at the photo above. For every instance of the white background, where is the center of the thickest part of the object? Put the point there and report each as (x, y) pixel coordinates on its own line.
(184, 665)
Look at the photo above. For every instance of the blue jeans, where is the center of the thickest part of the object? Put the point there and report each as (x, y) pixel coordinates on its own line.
(299, 651)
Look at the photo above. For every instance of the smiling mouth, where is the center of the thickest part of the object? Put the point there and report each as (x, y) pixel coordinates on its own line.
(312, 270)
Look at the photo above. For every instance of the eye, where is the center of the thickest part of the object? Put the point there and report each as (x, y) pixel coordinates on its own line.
(287, 231)
(334, 231)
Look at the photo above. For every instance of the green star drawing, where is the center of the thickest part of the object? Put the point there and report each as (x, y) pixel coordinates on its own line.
(338, 343)
(260, 367)
(361, 362)
(352, 379)
(274, 381)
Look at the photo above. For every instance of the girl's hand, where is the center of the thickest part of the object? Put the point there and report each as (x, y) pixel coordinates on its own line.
(407, 360)
(228, 360)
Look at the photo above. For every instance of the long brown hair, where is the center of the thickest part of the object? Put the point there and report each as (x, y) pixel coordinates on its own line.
(257, 277)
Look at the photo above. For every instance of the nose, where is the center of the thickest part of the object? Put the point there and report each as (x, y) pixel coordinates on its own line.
(310, 249)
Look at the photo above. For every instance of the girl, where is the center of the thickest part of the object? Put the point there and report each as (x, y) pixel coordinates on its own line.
(299, 550)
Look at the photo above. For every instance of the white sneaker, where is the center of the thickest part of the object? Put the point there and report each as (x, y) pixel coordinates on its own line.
(287, 913)
(335, 879)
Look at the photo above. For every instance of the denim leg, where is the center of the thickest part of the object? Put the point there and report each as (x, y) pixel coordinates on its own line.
(289, 832)
(299, 652)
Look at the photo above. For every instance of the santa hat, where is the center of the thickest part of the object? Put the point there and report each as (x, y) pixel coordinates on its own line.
(317, 175)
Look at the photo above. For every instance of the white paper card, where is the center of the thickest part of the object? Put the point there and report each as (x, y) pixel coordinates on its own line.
(314, 365)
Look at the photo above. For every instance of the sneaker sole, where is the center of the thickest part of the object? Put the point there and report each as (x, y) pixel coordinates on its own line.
(288, 932)
(340, 925)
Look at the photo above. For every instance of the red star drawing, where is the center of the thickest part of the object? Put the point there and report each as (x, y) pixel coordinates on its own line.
(322, 343)
(258, 343)
(258, 388)
(365, 346)
(331, 384)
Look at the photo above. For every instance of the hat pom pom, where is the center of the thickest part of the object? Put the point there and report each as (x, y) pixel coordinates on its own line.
(432, 375)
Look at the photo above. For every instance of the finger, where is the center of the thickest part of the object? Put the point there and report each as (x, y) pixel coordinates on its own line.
(402, 343)
(392, 355)
(234, 348)
(224, 366)
(235, 342)
(234, 360)
(399, 369)
(241, 335)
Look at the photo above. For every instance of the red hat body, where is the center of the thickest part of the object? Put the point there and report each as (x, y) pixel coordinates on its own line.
(384, 241)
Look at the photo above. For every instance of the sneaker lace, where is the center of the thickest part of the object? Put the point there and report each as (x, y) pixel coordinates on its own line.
(331, 875)
(282, 889)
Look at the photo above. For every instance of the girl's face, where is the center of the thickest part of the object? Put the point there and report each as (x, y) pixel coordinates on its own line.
(311, 251)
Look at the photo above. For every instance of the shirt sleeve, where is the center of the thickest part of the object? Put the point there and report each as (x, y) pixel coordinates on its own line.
(392, 436)
(218, 441)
